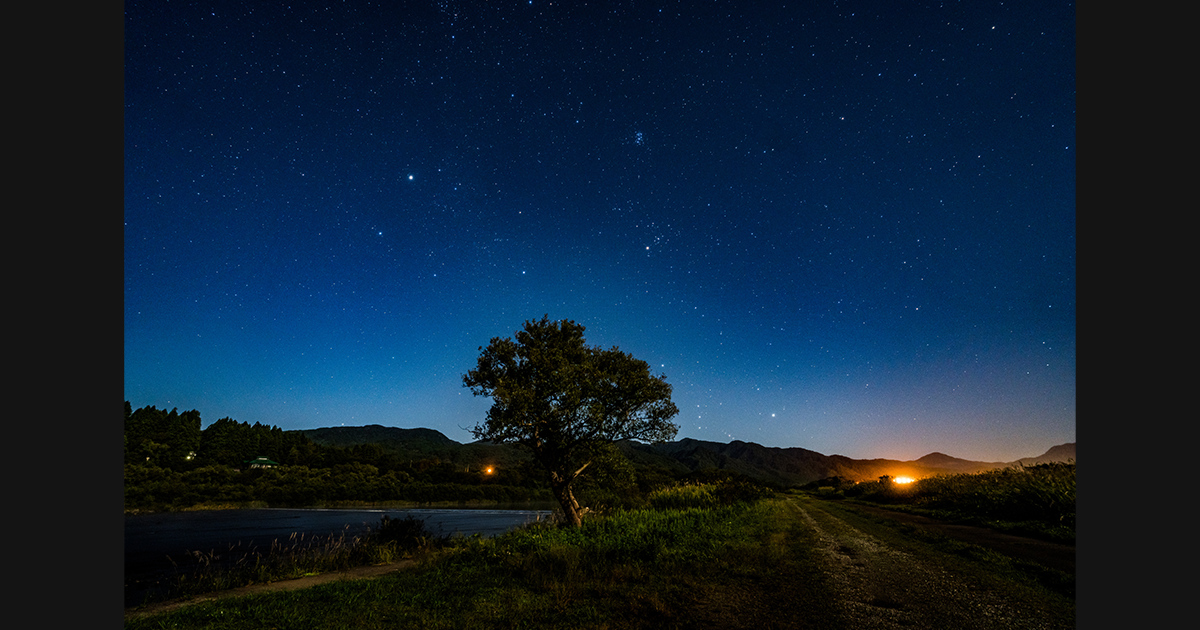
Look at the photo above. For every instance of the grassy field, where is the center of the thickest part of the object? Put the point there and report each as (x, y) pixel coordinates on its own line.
(722, 566)
(701, 556)
(1036, 501)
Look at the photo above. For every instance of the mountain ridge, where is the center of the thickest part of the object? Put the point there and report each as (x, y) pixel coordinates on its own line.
(784, 466)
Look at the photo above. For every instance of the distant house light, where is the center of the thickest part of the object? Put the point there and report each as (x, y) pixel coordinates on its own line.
(260, 462)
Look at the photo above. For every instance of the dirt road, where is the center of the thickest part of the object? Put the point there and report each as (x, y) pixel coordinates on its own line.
(883, 581)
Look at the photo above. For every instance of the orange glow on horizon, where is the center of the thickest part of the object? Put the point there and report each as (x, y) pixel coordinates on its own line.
(904, 480)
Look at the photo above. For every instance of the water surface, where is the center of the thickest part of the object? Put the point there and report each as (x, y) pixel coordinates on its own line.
(152, 541)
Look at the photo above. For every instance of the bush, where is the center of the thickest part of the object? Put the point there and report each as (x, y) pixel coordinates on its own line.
(682, 497)
(1045, 492)
(408, 532)
(1036, 499)
(733, 492)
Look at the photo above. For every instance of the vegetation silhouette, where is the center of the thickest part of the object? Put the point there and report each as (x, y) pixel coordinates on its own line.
(565, 402)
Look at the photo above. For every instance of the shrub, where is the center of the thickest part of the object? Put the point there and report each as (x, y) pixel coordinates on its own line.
(733, 492)
(682, 497)
(408, 532)
(1040, 498)
(1045, 492)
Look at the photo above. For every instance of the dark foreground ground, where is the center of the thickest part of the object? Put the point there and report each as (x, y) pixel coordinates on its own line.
(1052, 555)
(883, 570)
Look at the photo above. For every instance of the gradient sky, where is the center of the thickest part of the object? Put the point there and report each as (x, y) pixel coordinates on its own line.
(842, 226)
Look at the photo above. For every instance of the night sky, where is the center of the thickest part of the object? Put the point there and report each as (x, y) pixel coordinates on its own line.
(842, 226)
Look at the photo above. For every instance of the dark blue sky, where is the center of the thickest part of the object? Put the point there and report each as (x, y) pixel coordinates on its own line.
(844, 226)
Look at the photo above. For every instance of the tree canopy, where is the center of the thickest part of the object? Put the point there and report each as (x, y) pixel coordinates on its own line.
(166, 438)
(561, 399)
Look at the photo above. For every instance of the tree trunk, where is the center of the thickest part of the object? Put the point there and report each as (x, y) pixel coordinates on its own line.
(570, 507)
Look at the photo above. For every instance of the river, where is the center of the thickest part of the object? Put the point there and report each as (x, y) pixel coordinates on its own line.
(153, 540)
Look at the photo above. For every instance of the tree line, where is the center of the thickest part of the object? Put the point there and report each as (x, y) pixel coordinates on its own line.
(175, 441)
(173, 463)
(564, 403)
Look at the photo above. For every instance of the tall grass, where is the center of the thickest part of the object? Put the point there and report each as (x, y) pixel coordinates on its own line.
(651, 568)
(707, 495)
(1044, 492)
(300, 555)
(688, 527)
(682, 497)
(1037, 500)
(642, 536)
(680, 522)
(642, 564)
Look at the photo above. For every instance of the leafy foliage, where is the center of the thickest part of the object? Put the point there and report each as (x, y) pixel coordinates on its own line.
(708, 495)
(171, 464)
(160, 437)
(409, 532)
(561, 399)
(1034, 500)
(683, 497)
(1044, 492)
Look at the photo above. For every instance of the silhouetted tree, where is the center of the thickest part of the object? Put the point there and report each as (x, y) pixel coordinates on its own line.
(162, 437)
(560, 399)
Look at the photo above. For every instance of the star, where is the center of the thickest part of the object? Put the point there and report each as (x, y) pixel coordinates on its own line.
(790, 210)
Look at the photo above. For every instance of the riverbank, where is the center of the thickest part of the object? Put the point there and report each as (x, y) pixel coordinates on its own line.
(792, 562)
(309, 581)
(168, 554)
(352, 505)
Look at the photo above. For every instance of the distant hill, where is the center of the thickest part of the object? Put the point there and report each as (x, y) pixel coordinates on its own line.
(782, 466)
(1060, 453)
(798, 466)
(944, 462)
(417, 443)
(378, 434)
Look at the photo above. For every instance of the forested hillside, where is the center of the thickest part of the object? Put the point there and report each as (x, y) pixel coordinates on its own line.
(173, 463)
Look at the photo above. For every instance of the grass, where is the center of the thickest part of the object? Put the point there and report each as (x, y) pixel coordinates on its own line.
(1036, 501)
(738, 565)
(701, 556)
(965, 557)
(298, 556)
